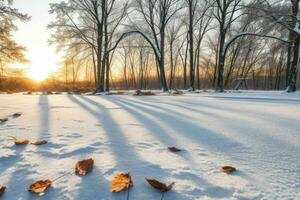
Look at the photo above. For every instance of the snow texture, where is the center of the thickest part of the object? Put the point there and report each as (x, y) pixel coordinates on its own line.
(256, 132)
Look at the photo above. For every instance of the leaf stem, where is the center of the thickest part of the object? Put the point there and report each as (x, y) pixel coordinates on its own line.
(128, 192)
(162, 195)
(68, 173)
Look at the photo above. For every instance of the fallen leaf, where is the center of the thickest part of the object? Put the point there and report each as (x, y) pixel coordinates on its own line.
(39, 142)
(3, 120)
(160, 186)
(228, 169)
(83, 167)
(174, 149)
(17, 114)
(121, 182)
(21, 142)
(40, 186)
(2, 190)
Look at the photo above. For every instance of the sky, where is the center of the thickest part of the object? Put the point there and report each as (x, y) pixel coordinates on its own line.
(34, 36)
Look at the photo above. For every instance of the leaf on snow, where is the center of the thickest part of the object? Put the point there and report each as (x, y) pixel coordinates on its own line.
(18, 114)
(160, 186)
(121, 182)
(2, 190)
(85, 166)
(228, 169)
(174, 149)
(21, 142)
(40, 186)
(3, 120)
(39, 142)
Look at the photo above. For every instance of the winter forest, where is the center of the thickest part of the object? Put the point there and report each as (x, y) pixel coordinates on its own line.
(149, 99)
(163, 44)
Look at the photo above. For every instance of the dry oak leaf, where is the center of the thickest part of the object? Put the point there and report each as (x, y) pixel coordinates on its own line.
(121, 182)
(174, 149)
(160, 186)
(2, 190)
(40, 186)
(228, 169)
(85, 166)
(18, 114)
(39, 142)
(21, 142)
(3, 120)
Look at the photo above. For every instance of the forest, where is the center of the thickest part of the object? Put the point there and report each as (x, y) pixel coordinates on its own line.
(161, 44)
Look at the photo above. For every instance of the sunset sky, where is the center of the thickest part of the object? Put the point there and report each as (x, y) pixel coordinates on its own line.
(34, 35)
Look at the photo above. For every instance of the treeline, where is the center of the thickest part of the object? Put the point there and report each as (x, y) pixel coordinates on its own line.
(176, 44)
(188, 44)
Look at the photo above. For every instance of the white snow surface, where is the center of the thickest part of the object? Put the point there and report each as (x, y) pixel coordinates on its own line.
(256, 132)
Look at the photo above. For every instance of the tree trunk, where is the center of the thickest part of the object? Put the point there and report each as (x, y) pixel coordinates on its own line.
(171, 65)
(191, 37)
(295, 62)
(221, 63)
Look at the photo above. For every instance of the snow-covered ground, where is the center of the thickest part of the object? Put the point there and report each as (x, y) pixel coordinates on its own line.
(256, 132)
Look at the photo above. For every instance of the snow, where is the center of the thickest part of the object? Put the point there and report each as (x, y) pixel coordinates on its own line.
(256, 132)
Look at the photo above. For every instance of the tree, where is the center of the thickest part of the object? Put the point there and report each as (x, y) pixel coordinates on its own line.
(151, 20)
(10, 51)
(226, 13)
(89, 25)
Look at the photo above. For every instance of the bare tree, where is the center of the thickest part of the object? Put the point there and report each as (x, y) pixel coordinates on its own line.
(226, 14)
(90, 25)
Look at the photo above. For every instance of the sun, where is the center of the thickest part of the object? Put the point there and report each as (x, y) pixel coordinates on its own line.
(42, 64)
(38, 75)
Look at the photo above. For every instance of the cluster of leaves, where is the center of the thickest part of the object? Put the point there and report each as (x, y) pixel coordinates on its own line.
(5, 119)
(19, 142)
(120, 182)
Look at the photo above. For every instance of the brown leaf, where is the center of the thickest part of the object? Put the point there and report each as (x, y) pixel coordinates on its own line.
(121, 182)
(174, 149)
(85, 166)
(39, 142)
(17, 114)
(40, 186)
(228, 169)
(2, 190)
(21, 142)
(160, 186)
(3, 120)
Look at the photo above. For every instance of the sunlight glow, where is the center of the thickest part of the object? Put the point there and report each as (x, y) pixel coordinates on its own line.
(34, 35)
(43, 62)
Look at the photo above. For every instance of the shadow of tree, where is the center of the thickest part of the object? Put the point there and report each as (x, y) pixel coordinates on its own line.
(127, 160)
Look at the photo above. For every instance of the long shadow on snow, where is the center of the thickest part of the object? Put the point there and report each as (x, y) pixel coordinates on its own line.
(239, 125)
(44, 130)
(231, 153)
(257, 99)
(161, 135)
(127, 160)
(261, 114)
(207, 138)
(20, 180)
